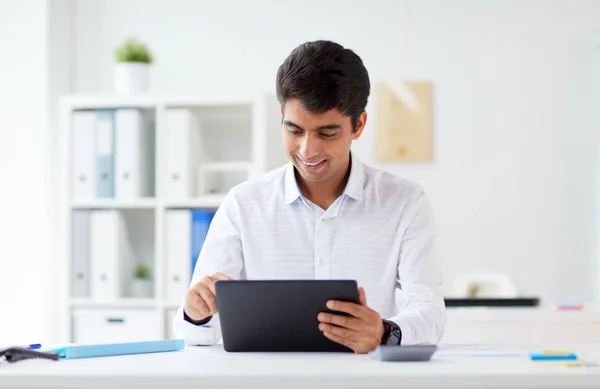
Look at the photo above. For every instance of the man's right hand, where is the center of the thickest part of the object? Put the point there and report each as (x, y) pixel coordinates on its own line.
(201, 301)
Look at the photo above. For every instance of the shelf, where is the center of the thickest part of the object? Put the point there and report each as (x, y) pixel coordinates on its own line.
(100, 101)
(170, 306)
(114, 204)
(208, 201)
(124, 303)
(237, 141)
(225, 166)
(120, 303)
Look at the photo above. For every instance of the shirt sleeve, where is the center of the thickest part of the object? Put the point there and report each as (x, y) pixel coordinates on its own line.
(221, 252)
(419, 292)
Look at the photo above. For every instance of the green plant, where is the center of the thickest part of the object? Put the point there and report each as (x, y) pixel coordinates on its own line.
(132, 50)
(142, 271)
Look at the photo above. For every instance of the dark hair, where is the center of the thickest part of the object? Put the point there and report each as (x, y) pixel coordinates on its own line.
(324, 75)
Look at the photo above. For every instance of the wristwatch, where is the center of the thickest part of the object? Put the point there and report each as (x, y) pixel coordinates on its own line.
(392, 335)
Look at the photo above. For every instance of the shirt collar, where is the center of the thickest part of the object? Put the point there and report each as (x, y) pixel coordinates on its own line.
(292, 191)
(356, 181)
(354, 187)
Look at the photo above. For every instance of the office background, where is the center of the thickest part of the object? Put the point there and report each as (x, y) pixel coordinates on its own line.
(514, 180)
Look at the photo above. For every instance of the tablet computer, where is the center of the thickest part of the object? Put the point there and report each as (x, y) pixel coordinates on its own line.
(279, 315)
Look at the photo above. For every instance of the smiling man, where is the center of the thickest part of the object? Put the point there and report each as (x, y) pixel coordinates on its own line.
(326, 215)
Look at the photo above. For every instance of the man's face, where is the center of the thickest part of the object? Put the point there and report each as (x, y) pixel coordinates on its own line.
(318, 144)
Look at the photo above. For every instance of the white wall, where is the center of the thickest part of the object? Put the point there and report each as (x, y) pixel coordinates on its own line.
(60, 41)
(34, 72)
(24, 186)
(515, 179)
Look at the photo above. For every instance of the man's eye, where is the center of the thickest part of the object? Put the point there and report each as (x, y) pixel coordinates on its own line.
(295, 132)
(328, 135)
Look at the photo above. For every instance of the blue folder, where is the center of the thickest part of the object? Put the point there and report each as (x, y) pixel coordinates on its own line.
(201, 220)
(112, 349)
(105, 153)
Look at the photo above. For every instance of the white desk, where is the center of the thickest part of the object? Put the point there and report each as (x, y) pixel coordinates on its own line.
(212, 367)
(520, 326)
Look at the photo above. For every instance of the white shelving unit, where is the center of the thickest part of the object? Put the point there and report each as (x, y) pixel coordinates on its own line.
(239, 138)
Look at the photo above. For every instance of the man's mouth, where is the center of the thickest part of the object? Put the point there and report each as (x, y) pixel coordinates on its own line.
(312, 165)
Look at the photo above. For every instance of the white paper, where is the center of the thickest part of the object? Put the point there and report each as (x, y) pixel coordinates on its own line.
(479, 351)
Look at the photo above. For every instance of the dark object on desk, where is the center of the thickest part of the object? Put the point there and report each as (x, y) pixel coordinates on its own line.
(15, 354)
(403, 353)
(493, 302)
(279, 315)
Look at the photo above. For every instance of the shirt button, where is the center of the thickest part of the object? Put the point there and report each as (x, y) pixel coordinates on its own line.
(322, 261)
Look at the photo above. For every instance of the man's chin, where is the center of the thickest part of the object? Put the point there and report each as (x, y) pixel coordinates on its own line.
(311, 177)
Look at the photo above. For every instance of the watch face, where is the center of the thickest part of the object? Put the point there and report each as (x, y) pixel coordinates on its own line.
(394, 334)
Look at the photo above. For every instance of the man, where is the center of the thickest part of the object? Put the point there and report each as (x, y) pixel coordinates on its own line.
(325, 215)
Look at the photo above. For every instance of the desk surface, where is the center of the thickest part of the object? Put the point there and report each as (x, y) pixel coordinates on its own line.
(212, 367)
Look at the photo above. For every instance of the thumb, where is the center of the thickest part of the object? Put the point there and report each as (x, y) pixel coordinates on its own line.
(362, 296)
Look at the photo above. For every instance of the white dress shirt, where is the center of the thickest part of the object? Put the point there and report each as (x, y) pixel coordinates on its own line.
(379, 232)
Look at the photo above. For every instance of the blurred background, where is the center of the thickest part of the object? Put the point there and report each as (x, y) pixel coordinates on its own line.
(513, 176)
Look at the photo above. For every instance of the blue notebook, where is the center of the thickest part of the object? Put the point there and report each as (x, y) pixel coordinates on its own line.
(112, 349)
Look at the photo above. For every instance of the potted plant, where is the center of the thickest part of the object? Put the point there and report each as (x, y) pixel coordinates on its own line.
(141, 286)
(132, 67)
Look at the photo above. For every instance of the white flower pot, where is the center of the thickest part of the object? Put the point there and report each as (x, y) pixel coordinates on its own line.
(131, 77)
(141, 288)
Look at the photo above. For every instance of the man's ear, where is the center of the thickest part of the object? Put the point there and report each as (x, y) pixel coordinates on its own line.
(360, 126)
(282, 114)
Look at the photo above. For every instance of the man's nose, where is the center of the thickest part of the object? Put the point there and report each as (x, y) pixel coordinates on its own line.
(309, 146)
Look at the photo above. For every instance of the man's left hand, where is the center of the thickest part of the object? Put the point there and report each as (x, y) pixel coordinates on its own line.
(361, 331)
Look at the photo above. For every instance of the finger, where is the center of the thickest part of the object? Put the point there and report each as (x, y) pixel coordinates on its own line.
(353, 309)
(343, 341)
(340, 331)
(197, 308)
(362, 296)
(209, 300)
(206, 282)
(193, 312)
(210, 282)
(340, 320)
(220, 277)
(199, 289)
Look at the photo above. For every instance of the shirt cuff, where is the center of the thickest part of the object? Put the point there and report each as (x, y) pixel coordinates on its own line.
(196, 323)
(194, 334)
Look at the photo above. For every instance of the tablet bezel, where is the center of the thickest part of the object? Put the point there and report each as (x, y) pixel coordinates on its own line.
(279, 315)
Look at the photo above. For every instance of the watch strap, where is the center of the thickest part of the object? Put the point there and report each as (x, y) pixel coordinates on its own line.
(392, 334)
